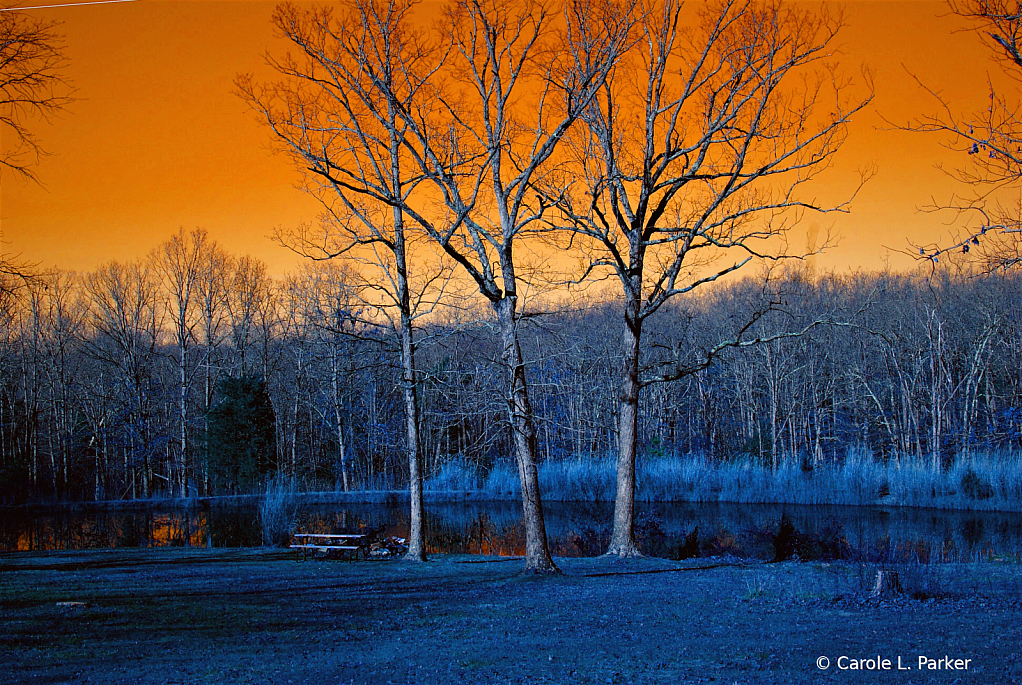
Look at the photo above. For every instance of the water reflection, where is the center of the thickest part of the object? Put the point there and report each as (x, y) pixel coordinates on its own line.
(494, 528)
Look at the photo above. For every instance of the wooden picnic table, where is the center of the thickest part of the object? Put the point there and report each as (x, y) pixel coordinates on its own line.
(310, 543)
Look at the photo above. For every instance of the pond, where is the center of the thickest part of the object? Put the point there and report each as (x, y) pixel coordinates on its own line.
(574, 529)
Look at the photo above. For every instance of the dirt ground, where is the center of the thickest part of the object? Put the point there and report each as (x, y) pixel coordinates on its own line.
(258, 616)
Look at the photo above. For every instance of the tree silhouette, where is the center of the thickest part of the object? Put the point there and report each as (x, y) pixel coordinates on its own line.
(690, 164)
(990, 143)
(31, 87)
(241, 444)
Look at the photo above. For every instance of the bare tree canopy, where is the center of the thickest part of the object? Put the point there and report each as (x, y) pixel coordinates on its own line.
(483, 135)
(991, 140)
(337, 113)
(449, 130)
(691, 163)
(31, 87)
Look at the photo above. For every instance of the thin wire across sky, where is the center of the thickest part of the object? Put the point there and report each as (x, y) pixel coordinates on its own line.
(65, 4)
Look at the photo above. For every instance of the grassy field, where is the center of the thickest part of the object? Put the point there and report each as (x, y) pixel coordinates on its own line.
(257, 616)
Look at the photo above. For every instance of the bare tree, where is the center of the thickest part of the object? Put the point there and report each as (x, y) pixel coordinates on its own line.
(212, 283)
(250, 294)
(483, 133)
(181, 262)
(337, 113)
(31, 86)
(697, 148)
(990, 208)
(58, 314)
(126, 318)
(215, 271)
(369, 102)
(326, 302)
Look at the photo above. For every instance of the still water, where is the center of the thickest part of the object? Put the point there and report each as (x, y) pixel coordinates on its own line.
(574, 529)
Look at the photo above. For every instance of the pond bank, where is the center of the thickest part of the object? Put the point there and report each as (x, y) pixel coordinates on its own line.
(257, 616)
(371, 497)
(989, 482)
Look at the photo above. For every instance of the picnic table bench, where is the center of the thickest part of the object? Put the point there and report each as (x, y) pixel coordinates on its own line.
(310, 543)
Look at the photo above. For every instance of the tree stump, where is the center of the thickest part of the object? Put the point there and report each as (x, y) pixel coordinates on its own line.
(888, 584)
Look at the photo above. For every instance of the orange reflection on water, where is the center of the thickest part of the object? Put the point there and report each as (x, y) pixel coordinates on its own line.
(68, 530)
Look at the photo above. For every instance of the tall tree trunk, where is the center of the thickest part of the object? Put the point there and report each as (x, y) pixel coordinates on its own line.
(342, 451)
(772, 383)
(182, 457)
(416, 532)
(537, 551)
(207, 402)
(295, 407)
(622, 540)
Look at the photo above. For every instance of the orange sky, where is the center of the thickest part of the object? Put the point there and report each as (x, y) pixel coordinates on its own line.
(158, 141)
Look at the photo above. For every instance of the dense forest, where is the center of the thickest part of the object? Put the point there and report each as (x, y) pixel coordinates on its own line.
(195, 368)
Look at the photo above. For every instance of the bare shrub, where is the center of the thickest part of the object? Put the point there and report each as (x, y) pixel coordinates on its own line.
(278, 511)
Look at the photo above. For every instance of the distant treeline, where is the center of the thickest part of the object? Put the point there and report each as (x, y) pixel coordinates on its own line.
(120, 382)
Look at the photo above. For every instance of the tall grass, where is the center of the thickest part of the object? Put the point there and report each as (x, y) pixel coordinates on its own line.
(455, 475)
(985, 482)
(278, 511)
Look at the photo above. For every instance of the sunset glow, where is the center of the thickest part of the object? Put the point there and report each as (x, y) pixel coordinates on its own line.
(158, 140)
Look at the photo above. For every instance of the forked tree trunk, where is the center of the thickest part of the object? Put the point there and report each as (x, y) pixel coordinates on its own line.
(622, 540)
(537, 551)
